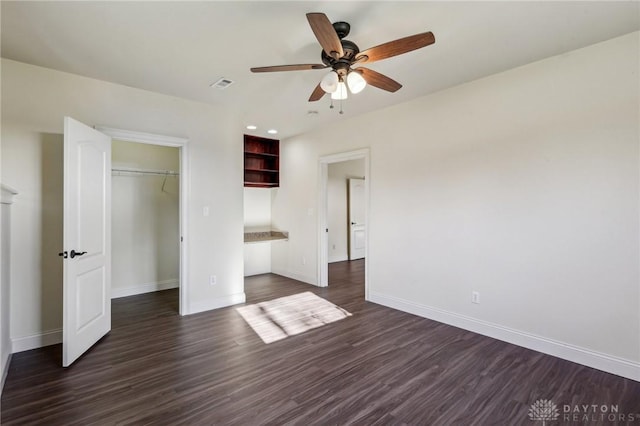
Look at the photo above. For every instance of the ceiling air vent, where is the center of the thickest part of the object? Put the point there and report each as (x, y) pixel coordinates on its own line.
(223, 83)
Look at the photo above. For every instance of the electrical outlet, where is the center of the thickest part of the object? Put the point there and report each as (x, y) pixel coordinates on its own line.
(333, 246)
(212, 280)
(475, 297)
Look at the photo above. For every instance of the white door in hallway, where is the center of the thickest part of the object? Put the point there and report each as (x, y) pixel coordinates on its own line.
(86, 239)
(357, 222)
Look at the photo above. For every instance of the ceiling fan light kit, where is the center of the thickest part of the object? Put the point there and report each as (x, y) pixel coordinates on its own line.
(329, 82)
(356, 82)
(340, 55)
(340, 93)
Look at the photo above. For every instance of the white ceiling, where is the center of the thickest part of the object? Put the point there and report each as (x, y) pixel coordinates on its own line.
(180, 48)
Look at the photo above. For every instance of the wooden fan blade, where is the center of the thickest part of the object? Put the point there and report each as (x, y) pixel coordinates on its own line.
(378, 80)
(298, 67)
(326, 34)
(317, 94)
(396, 47)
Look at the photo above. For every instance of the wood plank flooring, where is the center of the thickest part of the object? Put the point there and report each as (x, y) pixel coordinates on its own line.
(377, 367)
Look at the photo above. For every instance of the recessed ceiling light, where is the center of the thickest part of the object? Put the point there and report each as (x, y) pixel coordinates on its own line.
(272, 131)
(252, 127)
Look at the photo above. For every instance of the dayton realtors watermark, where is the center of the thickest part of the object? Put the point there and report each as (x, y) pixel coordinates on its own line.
(545, 410)
(596, 413)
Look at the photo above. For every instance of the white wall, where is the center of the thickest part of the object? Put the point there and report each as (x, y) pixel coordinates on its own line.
(5, 333)
(7, 196)
(257, 209)
(523, 186)
(145, 243)
(5, 336)
(257, 218)
(33, 160)
(34, 102)
(337, 206)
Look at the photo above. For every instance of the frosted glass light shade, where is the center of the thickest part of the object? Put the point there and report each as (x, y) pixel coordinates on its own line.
(356, 82)
(341, 92)
(329, 82)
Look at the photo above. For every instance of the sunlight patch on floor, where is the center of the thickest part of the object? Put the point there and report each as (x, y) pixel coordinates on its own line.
(287, 316)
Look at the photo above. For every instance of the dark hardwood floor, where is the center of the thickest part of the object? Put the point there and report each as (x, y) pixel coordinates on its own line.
(377, 367)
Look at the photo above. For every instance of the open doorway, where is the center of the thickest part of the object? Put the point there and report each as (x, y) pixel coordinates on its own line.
(342, 237)
(345, 211)
(145, 227)
(167, 181)
(87, 230)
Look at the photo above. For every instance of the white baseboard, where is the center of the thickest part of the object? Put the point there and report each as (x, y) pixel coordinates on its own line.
(338, 259)
(219, 302)
(295, 276)
(53, 337)
(597, 360)
(144, 288)
(253, 272)
(35, 341)
(5, 371)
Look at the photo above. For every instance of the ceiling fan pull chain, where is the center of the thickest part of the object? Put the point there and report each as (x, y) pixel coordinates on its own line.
(341, 112)
(331, 106)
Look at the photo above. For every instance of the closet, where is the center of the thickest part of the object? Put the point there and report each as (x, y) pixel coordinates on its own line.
(145, 218)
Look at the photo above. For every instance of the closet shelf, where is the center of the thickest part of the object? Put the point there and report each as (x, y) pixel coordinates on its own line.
(156, 172)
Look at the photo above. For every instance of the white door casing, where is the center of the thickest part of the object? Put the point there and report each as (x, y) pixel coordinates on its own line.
(357, 221)
(87, 228)
(182, 145)
(323, 241)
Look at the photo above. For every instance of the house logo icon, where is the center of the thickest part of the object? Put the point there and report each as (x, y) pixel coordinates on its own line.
(543, 410)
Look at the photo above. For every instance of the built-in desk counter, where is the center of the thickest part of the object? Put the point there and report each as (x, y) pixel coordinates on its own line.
(259, 237)
(257, 257)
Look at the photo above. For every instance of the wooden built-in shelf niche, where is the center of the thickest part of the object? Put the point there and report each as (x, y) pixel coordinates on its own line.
(261, 162)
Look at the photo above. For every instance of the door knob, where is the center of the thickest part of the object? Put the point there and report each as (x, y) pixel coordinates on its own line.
(76, 253)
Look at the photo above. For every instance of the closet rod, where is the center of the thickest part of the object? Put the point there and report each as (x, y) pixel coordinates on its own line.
(146, 172)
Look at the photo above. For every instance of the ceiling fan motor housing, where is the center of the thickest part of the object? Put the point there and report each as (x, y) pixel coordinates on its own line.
(350, 50)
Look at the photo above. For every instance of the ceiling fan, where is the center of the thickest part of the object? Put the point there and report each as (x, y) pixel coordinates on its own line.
(341, 55)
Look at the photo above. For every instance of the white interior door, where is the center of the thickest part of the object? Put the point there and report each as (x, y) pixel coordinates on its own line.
(357, 223)
(87, 239)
